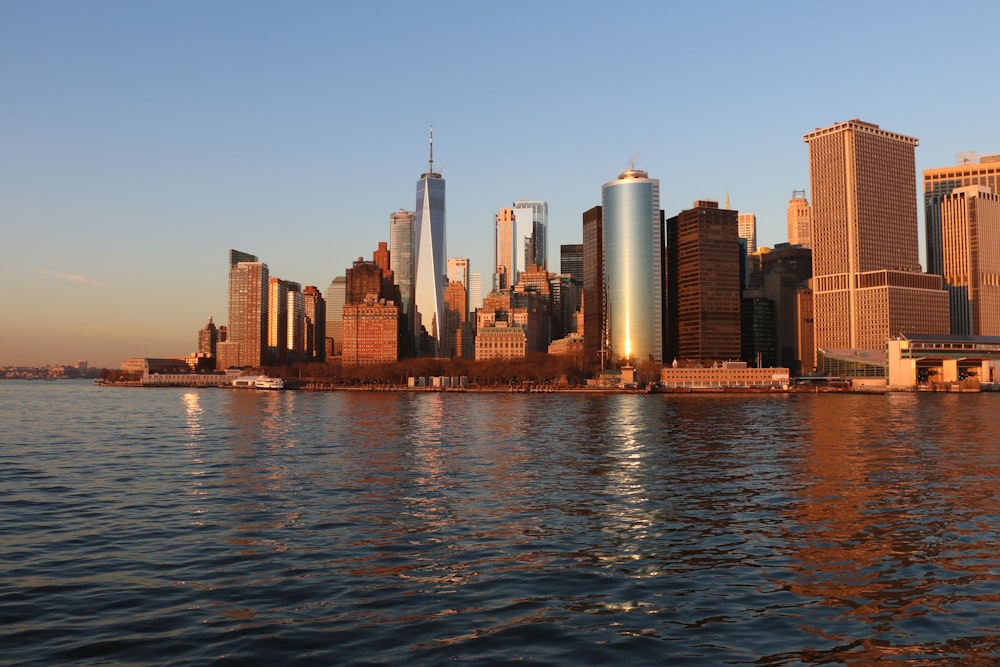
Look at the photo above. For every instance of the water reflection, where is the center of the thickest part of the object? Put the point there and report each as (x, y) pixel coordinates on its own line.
(196, 435)
(878, 530)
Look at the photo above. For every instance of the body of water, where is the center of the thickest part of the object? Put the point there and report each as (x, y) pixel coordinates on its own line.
(174, 526)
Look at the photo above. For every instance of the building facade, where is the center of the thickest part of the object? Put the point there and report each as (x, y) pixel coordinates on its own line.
(799, 220)
(208, 339)
(502, 341)
(336, 299)
(867, 284)
(475, 296)
(594, 329)
(748, 230)
(458, 272)
(633, 265)
(364, 279)
(371, 332)
(248, 310)
(970, 240)
(703, 285)
(277, 321)
(401, 240)
(504, 253)
(939, 183)
(431, 252)
(315, 323)
(571, 261)
(532, 222)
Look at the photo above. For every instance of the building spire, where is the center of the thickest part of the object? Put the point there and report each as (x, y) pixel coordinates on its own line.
(430, 170)
(727, 200)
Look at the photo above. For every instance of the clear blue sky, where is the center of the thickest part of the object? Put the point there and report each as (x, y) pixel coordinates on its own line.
(142, 140)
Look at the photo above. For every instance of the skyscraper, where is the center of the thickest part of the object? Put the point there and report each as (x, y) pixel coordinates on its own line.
(401, 242)
(571, 264)
(748, 230)
(277, 321)
(458, 272)
(799, 220)
(571, 261)
(970, 238)
(633, 265)
(972, 169)
(296, 323)
(364, 279)
(431, 252)
(336, 299)
(703, 284)
(208, 338)
(475, 296)
(867, 284)
(532, 225)
(594, 320)
(248, 310)
(315, 330)
(504, 249)
(381, 257)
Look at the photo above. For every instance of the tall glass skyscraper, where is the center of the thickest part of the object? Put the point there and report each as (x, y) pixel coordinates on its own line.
(430, 276)
(633, 265)
(401, 256)
(336, 299)
(532, 222)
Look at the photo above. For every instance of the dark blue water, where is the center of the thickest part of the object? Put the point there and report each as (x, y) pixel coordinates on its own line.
(170, 526)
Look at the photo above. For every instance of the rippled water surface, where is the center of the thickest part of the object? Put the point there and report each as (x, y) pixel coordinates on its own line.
(171, 526)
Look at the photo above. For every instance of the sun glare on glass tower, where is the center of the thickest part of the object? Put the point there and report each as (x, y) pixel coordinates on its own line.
(633, 262)
(430, 259)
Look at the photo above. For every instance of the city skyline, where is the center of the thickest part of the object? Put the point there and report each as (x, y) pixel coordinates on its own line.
(134, 165)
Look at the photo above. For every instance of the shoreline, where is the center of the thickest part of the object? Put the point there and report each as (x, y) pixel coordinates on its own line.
(704, 391)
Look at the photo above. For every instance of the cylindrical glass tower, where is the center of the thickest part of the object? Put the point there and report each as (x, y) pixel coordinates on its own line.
(633, 263)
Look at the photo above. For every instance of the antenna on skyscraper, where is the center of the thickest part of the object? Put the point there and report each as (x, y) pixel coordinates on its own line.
(431, 161)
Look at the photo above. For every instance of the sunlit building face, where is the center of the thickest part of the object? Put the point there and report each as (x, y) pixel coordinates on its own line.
(431, 253)
(633, 247)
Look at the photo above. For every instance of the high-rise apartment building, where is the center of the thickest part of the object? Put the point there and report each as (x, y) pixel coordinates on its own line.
(633, 265)
(504, 249)
(248, 311)
(594, 319)
(296, 338)
(401, 241)
(867, 284)
(277, 321)
(430, 275)
(970, 241)
(748, 230)
(972, 169)
(799, 220)
(703, 285)
(532, 224)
